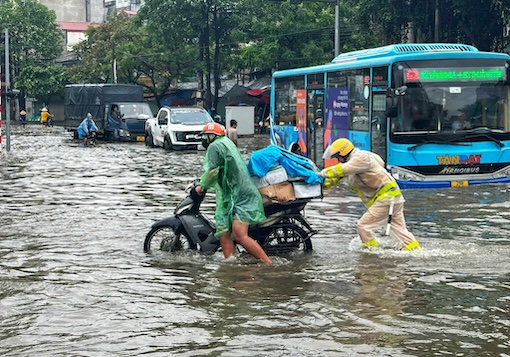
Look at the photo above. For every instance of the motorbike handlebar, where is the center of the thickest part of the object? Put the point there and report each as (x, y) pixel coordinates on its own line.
(191, 189)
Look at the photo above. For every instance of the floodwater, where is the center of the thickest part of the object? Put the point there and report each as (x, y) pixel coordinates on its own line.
(74, 280)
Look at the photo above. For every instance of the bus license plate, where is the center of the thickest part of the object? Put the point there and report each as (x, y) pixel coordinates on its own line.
(460, 183)
(140, 138)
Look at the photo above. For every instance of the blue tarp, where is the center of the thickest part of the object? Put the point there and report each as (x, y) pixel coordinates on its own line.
(296, 166)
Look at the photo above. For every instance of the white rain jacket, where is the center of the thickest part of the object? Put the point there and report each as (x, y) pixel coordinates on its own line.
(365, 174)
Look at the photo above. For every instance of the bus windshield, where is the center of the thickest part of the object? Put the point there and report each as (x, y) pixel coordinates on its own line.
(449, 100)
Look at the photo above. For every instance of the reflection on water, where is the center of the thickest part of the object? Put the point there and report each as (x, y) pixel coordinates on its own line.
(75, 281)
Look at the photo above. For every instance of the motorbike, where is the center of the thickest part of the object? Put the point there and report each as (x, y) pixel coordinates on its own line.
(284, 231)
(92, 139)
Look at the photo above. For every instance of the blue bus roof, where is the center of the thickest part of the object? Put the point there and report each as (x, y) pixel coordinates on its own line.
(392, 53)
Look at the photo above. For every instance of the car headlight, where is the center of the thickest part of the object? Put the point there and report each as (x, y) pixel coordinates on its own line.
(124, 133)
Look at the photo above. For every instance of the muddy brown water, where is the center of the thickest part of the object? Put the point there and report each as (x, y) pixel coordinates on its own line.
(74, 280)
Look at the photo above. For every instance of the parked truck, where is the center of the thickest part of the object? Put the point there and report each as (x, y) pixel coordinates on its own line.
(125, 124)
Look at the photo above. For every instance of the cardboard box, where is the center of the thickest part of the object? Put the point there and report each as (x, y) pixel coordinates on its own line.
(305, 190)
(283, 191)
(276, 174)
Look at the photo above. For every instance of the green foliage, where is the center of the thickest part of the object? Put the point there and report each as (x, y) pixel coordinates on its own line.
(139, 58)
(481, 23)
(112, 40)
(35, 35)
(281, 35)
(36, 41)
(42, 82)
(173, 41)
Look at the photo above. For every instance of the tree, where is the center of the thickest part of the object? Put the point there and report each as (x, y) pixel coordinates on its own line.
(42, 82)
(204, 28)
(283, 35)
(123, 47)
(481, 23)
(34, 44)
(103, 48)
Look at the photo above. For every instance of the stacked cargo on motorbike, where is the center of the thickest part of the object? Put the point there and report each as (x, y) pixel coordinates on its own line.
(275, 185)
(283, 176)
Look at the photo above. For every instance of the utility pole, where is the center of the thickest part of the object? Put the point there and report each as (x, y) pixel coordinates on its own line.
(436, 22)
(7, 88)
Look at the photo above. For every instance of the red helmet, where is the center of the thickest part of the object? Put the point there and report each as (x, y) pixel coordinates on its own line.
(214, 128)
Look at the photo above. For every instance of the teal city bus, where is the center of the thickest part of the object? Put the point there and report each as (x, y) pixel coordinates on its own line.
(438, 114)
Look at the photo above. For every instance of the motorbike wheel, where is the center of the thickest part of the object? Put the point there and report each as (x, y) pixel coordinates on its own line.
(286, 239)
(165, 239)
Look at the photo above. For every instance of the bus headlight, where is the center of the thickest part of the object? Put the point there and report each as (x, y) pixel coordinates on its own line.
(405, 175)
(504, 172)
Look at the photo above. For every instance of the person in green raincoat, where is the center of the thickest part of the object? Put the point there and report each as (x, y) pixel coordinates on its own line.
(238, 202)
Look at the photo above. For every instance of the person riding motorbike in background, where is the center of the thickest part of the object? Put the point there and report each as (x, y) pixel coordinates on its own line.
(87, 129)
(365, 174)
(46, 117)
(238, 202)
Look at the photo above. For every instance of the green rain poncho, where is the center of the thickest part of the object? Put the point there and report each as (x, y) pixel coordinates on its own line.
(236, 195)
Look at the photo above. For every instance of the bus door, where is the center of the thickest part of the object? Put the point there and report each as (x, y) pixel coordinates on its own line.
(378, 119)
(378, 127)
(315, 131)
(315, 107)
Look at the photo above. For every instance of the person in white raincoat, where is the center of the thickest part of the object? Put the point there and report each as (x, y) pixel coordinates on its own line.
(365, 174)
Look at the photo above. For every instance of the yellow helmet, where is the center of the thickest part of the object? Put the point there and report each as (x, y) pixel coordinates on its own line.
(341, 147)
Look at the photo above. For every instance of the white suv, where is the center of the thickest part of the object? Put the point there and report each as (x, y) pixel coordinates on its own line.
(176, 127)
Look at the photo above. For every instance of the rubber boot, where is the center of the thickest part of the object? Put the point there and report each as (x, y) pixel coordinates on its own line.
(414, 245)
(372, 243)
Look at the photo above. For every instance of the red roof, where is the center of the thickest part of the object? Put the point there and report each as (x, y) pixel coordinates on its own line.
(75, 26)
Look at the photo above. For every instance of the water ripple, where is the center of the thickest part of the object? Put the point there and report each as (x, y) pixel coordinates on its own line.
(74, 280)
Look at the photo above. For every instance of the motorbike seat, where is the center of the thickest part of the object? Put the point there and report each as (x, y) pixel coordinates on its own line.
(276, 210)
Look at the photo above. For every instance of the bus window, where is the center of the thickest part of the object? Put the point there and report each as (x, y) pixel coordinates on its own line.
(285, 96)
(358, 99)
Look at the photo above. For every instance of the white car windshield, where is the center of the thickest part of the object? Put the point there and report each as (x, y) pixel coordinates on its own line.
(190, 117)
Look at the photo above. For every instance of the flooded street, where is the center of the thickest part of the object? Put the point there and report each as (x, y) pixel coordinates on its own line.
(74, 280)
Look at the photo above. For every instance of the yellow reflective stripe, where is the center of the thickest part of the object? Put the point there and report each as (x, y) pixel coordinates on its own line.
(359, 193)
(413, 245)
(385, 192)
(330, 174)
(330, 182)
(335, 171)
(392, 193)
(339, 170)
